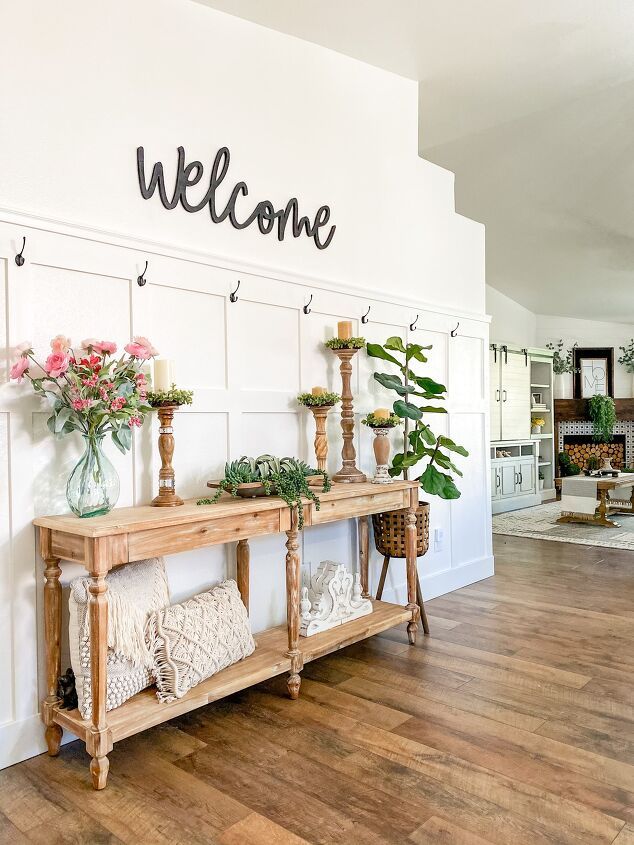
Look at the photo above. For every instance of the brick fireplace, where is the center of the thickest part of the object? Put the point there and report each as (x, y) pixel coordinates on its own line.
(573, 433)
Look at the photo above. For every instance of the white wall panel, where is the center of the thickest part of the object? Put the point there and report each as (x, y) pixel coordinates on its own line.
(265, 343)
(6, 580)
(191, 325)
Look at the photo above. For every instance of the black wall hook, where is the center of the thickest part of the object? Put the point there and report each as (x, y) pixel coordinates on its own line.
(233, 297)
(19, 259)
(141, 280)
(454, 332)
(306, 308)
(412, 326)
(364, 319)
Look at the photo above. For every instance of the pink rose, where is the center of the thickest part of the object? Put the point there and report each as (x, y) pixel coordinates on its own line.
(56, 364)
(19, 368)
(88, 342)
(140, 347)
(60, 344)
(105, 347)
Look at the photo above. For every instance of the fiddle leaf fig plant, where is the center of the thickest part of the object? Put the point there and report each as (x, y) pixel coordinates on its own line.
(419, 441)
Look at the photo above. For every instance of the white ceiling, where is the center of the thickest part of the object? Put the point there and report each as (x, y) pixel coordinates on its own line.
(532, 105)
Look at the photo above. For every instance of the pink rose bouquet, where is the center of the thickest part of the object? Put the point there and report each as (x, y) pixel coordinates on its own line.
(89, 389)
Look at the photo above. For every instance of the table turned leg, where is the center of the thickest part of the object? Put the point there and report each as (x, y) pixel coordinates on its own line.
(410, 557)
(97, 742)
(364, 554)
(53, 641)
(293, 573)
(243, 558)
(603, 511)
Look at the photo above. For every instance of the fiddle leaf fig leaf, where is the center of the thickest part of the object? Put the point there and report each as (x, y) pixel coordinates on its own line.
(429, 385)
(427, 435)
(432, 409)
(393, 383)
(405, 410)
(448, 443)
(438, 484)
(395, 344)
(444, 462)
(375, 350)
(415, 350)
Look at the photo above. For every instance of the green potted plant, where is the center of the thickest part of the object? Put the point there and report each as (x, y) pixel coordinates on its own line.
(627, 359)
(381, 422)
(566, 466)
(602, 413)
(541, 480)
(267, 475)
(563, 367)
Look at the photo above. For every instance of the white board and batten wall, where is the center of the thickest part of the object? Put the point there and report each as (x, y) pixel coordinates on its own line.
(399, 248)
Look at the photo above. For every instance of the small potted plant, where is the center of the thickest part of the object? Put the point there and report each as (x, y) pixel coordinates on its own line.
(268, 475)
(563, 368)
(541, 480)
(319, 401)
(627, 359)
(381, 422)
(537, 423)
(592, 465)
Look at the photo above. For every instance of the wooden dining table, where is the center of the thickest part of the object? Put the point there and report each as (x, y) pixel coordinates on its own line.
(606, 504)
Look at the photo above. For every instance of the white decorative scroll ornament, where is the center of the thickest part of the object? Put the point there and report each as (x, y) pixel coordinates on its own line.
(334, 598)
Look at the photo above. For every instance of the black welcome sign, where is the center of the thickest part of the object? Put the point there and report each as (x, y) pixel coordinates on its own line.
(188, 175)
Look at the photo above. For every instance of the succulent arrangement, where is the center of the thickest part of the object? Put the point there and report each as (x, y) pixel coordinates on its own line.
(173, 396)
(419, 443)
(287, 478)
(372, 421)
(319, 401)
(349, 343)
(627, 358)
(603, 416)
(562, 359)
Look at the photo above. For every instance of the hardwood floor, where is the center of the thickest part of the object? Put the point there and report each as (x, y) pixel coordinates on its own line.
(512, 724)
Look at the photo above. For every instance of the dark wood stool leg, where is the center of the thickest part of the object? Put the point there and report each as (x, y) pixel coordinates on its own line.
(421, 604)
(379, 589)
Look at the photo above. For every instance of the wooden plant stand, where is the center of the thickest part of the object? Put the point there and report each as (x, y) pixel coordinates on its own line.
(167, 497)
(320, 412)
(132, 534)
(348, 472)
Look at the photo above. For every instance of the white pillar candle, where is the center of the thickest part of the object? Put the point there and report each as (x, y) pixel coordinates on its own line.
(162, 374)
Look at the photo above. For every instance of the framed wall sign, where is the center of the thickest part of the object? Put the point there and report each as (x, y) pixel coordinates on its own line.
(594, 372)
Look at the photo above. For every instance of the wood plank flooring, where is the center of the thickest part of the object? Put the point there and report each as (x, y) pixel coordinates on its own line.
(512, 724)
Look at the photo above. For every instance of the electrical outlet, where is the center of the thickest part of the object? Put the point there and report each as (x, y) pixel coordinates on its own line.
(439, 535)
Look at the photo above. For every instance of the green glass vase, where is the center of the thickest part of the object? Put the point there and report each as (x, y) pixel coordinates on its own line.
(93, 486)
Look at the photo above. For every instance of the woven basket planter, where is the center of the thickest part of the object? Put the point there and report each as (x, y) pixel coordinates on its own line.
(389, 531)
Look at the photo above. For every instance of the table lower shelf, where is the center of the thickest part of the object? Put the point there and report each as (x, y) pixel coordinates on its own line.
(144, 711)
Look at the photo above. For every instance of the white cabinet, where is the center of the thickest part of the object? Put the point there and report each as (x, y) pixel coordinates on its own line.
(514, 475)
(510, 399)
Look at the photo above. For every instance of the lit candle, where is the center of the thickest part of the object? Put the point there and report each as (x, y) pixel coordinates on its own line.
(162, 374)
(318, 391)
(344, 330)
(382, 414)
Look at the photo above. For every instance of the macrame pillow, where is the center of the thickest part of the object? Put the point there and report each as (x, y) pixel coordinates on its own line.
(194, 640)
(134, 591)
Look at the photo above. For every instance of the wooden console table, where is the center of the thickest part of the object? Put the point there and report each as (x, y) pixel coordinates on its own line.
(131, 534)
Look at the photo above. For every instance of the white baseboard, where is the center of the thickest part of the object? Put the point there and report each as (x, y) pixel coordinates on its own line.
(21, 740)
(439, 583)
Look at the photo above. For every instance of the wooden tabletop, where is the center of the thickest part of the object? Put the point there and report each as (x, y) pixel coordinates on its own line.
(144, 517)
(625, 479)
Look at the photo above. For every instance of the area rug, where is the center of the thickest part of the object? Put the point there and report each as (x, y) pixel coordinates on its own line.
(540, 523)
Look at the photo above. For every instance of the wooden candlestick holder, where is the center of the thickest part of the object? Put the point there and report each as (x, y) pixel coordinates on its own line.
(348, 472)
(320, 412)
(167, 497)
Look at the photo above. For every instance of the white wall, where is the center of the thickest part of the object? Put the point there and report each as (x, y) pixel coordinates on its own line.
(82, 86)
(510, 321)
(590, 333)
